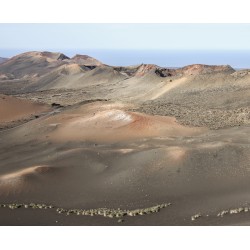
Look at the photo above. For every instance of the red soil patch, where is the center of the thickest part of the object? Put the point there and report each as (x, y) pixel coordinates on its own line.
(12, 108)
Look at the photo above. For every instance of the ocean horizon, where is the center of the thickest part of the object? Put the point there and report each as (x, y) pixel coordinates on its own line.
(238, 59)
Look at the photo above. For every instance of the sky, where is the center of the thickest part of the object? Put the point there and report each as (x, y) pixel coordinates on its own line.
(125, 36)
(151, 43)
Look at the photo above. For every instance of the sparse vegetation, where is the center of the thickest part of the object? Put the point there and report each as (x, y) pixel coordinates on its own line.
(197, 116)
(233, 211)
(196, 216)
(105, 212)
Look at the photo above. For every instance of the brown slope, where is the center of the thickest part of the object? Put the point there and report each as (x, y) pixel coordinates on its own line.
(101, 75)
(62, 77)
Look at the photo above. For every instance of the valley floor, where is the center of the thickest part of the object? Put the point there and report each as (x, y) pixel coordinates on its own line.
(101, 154)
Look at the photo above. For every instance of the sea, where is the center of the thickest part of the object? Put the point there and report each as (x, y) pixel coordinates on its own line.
(238, 59)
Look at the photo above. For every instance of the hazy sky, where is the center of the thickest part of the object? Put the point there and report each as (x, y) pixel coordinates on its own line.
(115, 44)
(124, 36)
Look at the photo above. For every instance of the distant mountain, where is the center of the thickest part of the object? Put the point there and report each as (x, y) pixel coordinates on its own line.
(36, 71)
(2, 59)
(35, 64)
(75, 76)
(32, 64)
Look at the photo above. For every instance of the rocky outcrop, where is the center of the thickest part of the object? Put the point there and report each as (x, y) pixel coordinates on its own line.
(194, 69)
(164, 72)
(127, 70)
(145, 68)
(205, 69)
(137, 70)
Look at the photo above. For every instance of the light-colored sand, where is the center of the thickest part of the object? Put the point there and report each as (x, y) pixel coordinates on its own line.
(176, 153)
(22, 173)
(21, 180)
(168, 87)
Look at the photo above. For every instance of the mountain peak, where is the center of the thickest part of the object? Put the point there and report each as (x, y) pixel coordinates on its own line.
(51, 56)
(85, 60)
